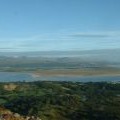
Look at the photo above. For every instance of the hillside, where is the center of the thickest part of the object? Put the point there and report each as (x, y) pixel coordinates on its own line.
(63, 100)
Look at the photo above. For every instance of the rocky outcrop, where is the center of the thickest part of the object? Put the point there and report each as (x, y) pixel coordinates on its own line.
(8, 115)
(10, 87)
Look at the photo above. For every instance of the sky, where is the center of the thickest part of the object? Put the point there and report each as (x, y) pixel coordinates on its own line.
(59, 25)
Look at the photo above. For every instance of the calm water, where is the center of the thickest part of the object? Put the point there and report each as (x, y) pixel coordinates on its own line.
(9, 76)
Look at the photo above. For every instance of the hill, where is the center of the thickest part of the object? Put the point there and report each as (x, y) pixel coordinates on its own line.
(63, 100)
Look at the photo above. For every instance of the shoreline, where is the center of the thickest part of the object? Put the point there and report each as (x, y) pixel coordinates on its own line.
(67, 72)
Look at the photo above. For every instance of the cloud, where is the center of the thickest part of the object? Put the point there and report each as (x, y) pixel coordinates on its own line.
(106, 34)
(67, 40)
(83, 35)
(2, 48)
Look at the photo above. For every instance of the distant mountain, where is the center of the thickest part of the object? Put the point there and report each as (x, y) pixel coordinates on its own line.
(109, 55)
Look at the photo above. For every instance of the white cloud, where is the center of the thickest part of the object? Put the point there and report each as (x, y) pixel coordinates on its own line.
(72, 40)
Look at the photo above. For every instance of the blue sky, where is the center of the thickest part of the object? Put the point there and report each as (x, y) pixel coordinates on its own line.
(43, 25)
